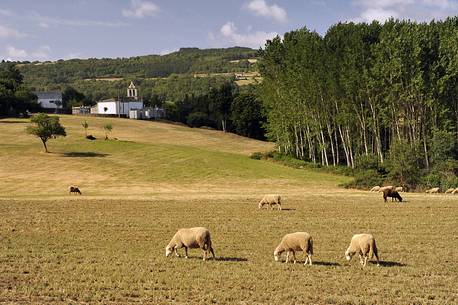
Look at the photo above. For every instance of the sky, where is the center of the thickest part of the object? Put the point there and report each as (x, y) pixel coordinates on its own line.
(64, 29)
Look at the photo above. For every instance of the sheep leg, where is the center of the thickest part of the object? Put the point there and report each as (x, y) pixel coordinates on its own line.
(294, 257)
(186, 252)
(213, 253)
(361, 259)
(310, 258)
(365, 260)
(205, 255)
(287, 257)
(176, 252)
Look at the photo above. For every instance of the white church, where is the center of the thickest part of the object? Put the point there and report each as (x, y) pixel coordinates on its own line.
(120, 107)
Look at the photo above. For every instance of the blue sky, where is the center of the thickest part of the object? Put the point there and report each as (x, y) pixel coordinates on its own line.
(63, 29)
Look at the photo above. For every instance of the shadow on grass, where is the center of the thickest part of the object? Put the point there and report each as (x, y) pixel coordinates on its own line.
(288, 209)
(231, 259)
(218, 259)
(12, 122)
(83, 154)
(390, 264)
(326, 263)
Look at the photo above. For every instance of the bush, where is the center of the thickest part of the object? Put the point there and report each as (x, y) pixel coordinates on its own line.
(197, 119)
(366, 180)
(405, 163)
(364, 162)
(257, 155)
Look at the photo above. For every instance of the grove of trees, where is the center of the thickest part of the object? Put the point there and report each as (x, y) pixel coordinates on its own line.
(379, 95)
(15, 97)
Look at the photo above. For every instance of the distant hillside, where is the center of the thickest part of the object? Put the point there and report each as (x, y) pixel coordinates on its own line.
(184, 61)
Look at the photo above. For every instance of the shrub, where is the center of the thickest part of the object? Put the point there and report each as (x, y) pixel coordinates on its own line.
(365, 179)
(197, 119)
(257, 155)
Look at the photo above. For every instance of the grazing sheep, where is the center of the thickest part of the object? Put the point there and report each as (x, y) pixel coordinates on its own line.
(364, 245)
(449, 191)
(389, 187)
(191, 238)
(433, 190)
(299, 241)
(393, 194)
(74, 189)
(375, 188)
(270, 200)
(455, 191)
(399, 189)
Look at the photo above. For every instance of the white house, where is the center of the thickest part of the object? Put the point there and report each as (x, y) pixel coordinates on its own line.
(120, 107)
(49, 99)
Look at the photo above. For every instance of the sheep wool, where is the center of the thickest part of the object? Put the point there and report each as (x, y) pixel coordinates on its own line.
(433, 190)
(375, 188)
(363, 244)
(270, 200)
(192, 238)
(299, 241)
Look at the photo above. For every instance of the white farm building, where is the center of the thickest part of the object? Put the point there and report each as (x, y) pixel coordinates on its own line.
(119, 107)
(49, 99)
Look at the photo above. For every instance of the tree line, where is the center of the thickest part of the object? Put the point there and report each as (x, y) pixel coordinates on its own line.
(366, 92)
(185, 61)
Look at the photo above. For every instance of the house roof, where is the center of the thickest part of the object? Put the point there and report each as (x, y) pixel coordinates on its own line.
(48, 95)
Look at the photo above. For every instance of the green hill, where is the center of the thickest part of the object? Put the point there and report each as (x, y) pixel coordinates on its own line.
(146, 158)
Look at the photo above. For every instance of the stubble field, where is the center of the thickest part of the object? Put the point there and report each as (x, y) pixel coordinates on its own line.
(108, 246)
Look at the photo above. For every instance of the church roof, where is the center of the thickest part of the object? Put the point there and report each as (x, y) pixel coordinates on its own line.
(132, 86)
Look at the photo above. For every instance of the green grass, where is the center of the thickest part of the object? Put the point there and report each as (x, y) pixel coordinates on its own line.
(108, 245)
(146, 158)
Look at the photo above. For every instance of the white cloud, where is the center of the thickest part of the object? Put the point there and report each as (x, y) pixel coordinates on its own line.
(43, 25)
(140, 9)
(41, 53)
(5, 12)
(229, 33)
(420, 10)
(261, 8)
(15, 54)
(45, 22)
(7, 32)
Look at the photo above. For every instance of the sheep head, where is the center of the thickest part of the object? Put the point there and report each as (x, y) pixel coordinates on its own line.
(168, 251)
(277, 254)
(349, 255)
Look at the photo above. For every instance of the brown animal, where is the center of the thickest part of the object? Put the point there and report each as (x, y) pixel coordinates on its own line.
(74, 189)
(391, 193)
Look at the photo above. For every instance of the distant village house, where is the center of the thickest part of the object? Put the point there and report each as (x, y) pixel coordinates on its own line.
(50, 100)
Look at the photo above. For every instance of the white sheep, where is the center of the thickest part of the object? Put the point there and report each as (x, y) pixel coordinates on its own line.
(399, 189)
(375, 188)
(193, 238)
(433, 190)
(455, 191)
(299, 241)
(270, 200)
(389, 187)
(363, 244)
(449, 191)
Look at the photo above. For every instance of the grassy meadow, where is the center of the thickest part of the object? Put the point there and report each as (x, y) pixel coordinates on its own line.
(108, 245)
